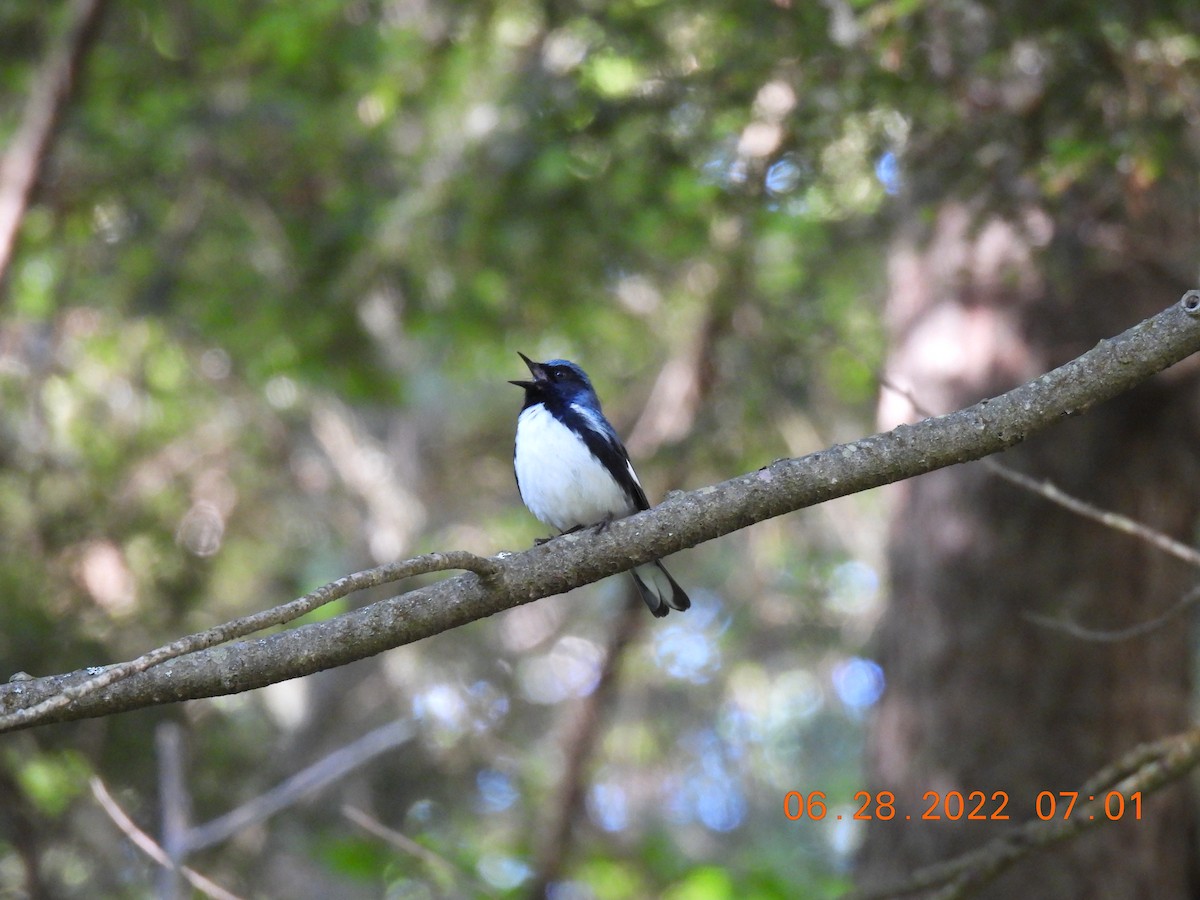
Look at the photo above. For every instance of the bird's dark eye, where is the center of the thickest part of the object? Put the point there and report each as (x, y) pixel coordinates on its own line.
(557, 374)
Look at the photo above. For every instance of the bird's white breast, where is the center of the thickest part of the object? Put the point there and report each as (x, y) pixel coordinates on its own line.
(561, 482)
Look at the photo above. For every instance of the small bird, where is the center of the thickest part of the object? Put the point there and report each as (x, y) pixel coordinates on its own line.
(573, 471)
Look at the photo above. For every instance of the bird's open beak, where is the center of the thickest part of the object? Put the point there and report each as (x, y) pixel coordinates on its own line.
(539, 374)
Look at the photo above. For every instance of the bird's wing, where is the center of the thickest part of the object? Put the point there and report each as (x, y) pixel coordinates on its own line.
(601, 438)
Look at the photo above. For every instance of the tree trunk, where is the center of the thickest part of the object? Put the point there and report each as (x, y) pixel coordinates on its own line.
(978, 697)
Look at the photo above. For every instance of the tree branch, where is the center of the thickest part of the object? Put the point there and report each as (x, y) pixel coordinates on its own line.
(52, 84)
(683, 520)
(96, 679)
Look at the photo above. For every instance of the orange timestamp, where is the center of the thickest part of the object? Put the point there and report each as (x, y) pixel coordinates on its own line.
(973, 806)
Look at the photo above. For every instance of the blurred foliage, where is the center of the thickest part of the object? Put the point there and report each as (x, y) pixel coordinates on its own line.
(257, 332)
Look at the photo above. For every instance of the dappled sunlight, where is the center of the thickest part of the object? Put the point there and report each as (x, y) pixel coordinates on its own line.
(858, 682)
(450, 713)
(709, 789)
(288, 703)
(570, 669)
(502, 872)
(687, 647)
(201, 529)
(106, 576)
(853, 590)
(497, 792)
(527, 626)
(608, 805)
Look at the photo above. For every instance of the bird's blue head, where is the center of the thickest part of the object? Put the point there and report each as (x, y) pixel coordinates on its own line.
(557, 379)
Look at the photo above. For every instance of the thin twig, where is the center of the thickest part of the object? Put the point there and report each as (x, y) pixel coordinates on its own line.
(307, 781)
(246, 625)
(147, 845)
(1055, 494)
(1115, 521)
(405, 844)
(1149, 767)
(1066, 626)
(1050, 491)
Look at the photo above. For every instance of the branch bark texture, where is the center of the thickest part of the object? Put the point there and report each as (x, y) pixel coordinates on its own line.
(684, 520)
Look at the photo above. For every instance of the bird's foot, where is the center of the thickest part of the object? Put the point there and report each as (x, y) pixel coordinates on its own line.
(537, 542)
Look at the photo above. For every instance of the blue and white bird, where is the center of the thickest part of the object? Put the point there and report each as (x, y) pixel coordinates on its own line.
(573, 471)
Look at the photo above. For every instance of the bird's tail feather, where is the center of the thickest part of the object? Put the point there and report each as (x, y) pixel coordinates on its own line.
(659, 590)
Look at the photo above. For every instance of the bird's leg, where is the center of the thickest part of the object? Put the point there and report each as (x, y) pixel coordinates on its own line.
(603, 524)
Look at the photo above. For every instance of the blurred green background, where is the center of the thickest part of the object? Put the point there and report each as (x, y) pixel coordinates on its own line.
(256, 334)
